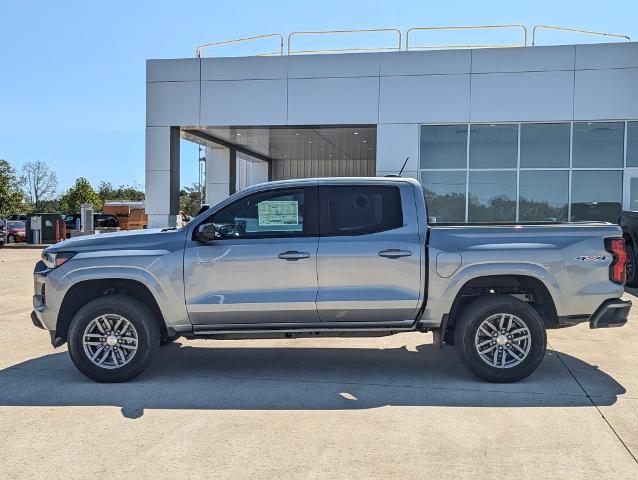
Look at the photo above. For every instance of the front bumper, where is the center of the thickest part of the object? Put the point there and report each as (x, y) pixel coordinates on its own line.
(43, 315)
(36, 320)
(612, 313)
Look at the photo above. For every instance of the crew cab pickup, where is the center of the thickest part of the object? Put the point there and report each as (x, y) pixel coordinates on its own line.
(333, 257)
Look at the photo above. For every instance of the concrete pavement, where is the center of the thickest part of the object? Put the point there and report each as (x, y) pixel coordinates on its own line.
(323, 408)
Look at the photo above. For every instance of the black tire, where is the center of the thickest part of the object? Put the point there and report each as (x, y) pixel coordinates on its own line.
(166, 340)
(138, 314)
(473, 316)
(632, 278)
(11, 239)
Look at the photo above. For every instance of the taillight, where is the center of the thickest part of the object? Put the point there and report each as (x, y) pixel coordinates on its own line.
(618, 267)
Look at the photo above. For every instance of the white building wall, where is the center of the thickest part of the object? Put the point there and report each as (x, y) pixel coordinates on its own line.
(397, 91)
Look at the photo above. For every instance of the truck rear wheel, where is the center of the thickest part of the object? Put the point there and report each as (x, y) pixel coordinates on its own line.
(113, 338)
(500, 338)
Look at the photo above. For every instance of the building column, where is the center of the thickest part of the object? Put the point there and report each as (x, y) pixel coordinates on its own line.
(221, 173)
(162, 176)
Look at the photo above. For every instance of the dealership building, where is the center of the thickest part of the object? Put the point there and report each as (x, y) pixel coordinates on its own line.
(493, 134)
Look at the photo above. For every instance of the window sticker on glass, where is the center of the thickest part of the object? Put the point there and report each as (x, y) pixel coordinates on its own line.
(278, 212)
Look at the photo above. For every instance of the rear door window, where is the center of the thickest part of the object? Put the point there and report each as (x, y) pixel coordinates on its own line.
(360, 210)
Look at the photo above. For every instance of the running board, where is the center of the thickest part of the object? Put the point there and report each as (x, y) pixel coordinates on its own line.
(232, 334)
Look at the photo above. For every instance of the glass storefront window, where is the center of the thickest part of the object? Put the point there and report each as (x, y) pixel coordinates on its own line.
(528, 169)
(443, 146)
(544, 145)
(492, 196)
(543, 195)
(632, 144)
(598, 145)
(493, 146)
(445, 195)
(596, 195)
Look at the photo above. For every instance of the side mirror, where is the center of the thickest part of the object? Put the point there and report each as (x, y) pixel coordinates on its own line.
(206, 232)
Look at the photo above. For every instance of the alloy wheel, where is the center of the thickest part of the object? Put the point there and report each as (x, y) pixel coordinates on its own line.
(503, 340)
(110, 341)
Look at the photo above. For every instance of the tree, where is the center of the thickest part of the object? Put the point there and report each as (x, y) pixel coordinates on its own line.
(190, 200)
(123, 192)
(80, 193)
(39, 183)
(11, 198)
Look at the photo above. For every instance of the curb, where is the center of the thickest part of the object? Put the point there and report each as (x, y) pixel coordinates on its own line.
(24, 246)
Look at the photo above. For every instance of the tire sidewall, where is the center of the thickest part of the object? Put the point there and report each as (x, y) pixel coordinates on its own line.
(475, 313)
(133, 311)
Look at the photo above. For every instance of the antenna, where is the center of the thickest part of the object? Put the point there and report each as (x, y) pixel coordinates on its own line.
(400, 171)
(404, 164)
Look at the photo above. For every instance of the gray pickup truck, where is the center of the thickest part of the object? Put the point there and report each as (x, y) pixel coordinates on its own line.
(333, 257)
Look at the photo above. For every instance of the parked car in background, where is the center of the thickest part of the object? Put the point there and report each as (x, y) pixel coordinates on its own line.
(100, 220)
(15, 231)
(629, 224)
(2, 237)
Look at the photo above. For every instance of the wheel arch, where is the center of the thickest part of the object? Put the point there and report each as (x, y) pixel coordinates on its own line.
(525, 287)
(82, 292)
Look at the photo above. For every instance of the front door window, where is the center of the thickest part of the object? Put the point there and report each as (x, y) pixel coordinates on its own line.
(278, 213)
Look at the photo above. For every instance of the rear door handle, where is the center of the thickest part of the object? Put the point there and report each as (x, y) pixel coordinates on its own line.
(292, 255)
(394, 253)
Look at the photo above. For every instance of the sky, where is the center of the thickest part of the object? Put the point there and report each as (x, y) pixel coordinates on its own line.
(72, 73)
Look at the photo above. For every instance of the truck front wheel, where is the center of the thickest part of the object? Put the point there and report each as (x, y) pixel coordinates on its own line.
(113, 338)
(500, 338)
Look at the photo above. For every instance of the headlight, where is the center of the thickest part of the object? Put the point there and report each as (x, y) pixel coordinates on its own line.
(55, 259)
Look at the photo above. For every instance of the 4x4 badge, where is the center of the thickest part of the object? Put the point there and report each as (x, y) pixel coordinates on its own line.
(591, 258)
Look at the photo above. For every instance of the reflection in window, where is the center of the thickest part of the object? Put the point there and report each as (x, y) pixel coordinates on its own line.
(632, 144)
(444, 196)
(492, 197)
(275, 213)
(544, 145)
(493, 146)
(356, 210)
(444, 146)
(542, 195)
(596, 195)
(598, 145)
(597, 160)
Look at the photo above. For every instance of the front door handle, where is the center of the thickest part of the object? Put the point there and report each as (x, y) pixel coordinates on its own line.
(394, 253)
(292, 255)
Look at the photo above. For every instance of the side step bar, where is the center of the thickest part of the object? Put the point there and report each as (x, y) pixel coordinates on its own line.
(230, 334)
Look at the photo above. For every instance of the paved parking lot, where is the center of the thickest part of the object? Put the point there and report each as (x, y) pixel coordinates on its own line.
(394, 407)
